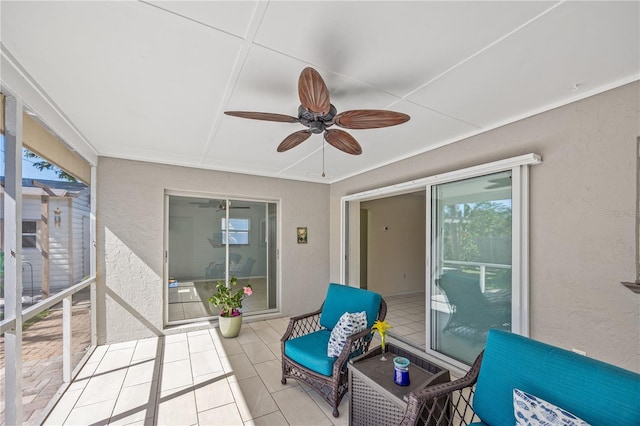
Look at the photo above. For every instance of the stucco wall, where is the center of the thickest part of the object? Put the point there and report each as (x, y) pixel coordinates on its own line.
(582, 217)
(130, 220)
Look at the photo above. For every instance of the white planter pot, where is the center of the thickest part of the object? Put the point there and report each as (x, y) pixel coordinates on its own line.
(230, 326)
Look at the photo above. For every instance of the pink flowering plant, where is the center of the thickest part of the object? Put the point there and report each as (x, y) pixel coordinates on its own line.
(230, 301)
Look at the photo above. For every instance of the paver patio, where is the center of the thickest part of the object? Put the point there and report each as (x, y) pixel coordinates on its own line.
(42, 358)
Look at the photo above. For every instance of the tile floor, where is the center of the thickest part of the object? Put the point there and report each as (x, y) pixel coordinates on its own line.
(189, 299)
(201, 378)
(406, 314)
(193, 378)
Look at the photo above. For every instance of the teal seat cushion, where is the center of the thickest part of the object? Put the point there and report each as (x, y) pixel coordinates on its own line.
(310, 351)
(341, 298)
(597, 392)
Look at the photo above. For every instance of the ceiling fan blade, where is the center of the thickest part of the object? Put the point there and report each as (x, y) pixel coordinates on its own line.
(266, 116)
(293, 140)
(201, 203)
(343, 141)
(313, 93)
(369, 118)
(498, 183)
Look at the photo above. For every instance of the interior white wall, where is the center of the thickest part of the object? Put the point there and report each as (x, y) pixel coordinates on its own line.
(131, 239)
(396, 260)
(582, 217)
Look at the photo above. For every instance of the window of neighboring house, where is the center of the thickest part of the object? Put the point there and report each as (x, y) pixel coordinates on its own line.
(237, 231)
(29, 236)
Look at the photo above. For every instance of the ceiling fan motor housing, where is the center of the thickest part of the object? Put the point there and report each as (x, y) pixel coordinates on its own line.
(315, 122)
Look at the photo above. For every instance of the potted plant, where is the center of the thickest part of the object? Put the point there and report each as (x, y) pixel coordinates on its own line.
(230, 303)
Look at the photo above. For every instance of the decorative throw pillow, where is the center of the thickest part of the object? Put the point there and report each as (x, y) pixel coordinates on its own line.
(348, 324)
(533, 411)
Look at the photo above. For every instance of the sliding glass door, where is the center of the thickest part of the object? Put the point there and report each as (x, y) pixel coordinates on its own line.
(216, 239)
(449, 254)
(471, 225)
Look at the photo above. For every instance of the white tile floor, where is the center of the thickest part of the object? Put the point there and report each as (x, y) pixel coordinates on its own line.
(193, 378)
(406, 314)
(202, 378)
(189, 300)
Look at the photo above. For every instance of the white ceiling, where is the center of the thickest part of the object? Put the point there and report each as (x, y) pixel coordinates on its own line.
(150, 80)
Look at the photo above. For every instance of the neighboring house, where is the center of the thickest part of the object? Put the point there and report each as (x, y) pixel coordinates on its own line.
(55, 250)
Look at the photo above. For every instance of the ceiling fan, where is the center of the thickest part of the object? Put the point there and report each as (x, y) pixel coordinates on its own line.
(220, 206)
(498, 182)
(318, 114)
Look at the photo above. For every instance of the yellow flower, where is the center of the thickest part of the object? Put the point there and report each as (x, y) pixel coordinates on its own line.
(381, 327)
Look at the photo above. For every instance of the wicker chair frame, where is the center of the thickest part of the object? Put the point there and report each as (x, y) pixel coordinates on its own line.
(331, 388)
(445, 404)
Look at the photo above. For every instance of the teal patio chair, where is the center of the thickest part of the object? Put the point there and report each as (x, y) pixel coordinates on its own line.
(304, 344)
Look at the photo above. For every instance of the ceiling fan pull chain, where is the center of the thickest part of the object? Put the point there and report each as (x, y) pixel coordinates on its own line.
(322, 157)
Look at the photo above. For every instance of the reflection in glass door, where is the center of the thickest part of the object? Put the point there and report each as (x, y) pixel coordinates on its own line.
(471, 225)
(216, 239)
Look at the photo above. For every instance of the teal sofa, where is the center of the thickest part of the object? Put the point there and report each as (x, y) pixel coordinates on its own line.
(596, 392)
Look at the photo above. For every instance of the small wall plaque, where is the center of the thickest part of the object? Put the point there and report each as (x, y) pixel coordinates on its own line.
(302, 235)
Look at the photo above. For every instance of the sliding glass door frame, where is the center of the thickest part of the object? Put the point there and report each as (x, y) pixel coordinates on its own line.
(520, 234)
(272, 240)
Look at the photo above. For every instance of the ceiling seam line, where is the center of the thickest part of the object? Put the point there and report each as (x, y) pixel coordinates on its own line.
(435, 111)
(493, 126)
(364, 84)
(204, 24)
(484, 49)
(238, 66)
(299, 161)
(321, 68)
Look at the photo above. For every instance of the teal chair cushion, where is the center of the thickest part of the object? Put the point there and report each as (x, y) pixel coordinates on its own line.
(597, 392)
(341, 298)
(310, 351)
